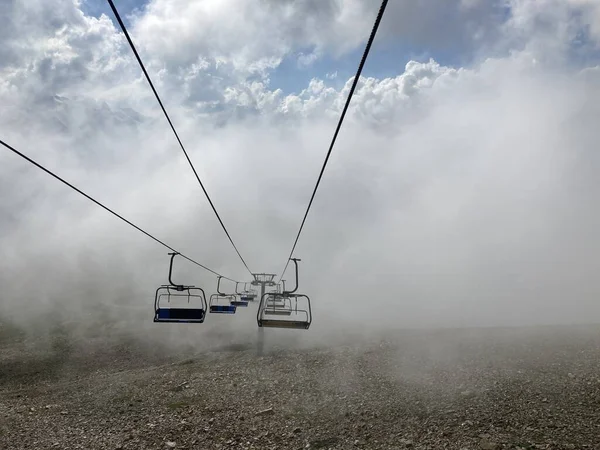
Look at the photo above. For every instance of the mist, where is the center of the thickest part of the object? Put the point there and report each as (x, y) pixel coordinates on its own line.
(453, 198)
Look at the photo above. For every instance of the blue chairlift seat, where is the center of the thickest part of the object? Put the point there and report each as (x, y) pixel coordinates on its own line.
(190, 315)
(163, 313)
(223, 309)
(239, 302)
(217, 307)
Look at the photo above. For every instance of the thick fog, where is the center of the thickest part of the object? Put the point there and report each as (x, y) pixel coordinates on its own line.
(455, 196)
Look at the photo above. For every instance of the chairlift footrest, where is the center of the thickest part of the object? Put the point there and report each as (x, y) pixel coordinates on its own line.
(290, 324)
(241, 303)
(278, 312)
(189, 315)
(223, 309)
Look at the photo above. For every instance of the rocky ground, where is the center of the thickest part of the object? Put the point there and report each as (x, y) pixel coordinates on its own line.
(483, 389)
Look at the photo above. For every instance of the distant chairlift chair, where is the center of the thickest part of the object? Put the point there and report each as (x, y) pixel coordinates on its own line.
(221, 303)
(245, 295)
(172, 291)
(239, 300)
(276, 301)
(280, 309)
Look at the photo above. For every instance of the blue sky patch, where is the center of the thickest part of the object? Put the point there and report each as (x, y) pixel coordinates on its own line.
(386, 59)
(96, 8)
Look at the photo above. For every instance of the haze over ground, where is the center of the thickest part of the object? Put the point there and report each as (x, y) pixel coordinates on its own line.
(462, 190)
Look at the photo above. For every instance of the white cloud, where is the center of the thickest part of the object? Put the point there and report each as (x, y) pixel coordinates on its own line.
(252, 38)
(455, 195)
(590, 15)
(305, 60)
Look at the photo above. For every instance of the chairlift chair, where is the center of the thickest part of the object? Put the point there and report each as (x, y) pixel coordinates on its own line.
(221, 303)
(240, 300)
(172, 291)
(277, 305)
(246, 295)
(291, 310)
(276, 300)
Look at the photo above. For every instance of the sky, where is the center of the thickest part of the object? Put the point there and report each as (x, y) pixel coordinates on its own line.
(461, 191)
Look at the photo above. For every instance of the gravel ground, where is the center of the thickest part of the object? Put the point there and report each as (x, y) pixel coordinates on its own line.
(447, 389)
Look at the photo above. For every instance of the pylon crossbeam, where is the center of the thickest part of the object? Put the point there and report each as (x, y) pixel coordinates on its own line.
(263, 279)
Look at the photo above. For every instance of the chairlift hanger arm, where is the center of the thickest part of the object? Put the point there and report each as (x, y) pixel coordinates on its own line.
(295, 288)
(171, 268)
(218, 286)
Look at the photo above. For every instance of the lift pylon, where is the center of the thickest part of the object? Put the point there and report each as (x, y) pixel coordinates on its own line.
(263, 280)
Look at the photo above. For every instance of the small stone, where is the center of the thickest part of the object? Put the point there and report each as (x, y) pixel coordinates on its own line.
(264, 412)
(487, 445)
(170, 444)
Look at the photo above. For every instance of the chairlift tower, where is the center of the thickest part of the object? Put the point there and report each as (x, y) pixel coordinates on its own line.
(263, 280)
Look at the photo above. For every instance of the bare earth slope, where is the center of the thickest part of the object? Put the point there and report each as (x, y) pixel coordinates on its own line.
(450, 389)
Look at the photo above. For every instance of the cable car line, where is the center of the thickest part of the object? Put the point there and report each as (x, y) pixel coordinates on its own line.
(118, 17)
(339, 125)
(39, 166)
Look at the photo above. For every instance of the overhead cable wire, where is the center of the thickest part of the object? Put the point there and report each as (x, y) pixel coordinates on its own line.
(118, 17)
(339, 125)
(39, 166)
